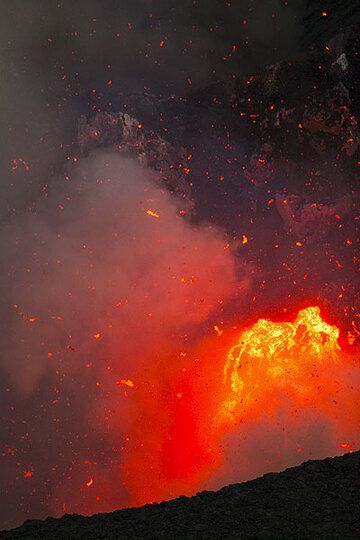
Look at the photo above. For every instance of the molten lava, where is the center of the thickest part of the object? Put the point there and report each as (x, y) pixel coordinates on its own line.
(284, 393)
(278, 356)
(242, 403)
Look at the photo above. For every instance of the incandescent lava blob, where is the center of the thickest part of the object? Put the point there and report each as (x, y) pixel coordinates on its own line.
(283, 393)
(273, 356)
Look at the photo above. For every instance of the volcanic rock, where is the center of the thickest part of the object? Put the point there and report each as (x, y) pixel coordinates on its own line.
(309, 220)
(318, 499)
(125, 134)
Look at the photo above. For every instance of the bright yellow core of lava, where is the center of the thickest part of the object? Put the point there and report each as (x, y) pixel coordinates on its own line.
(273, 357)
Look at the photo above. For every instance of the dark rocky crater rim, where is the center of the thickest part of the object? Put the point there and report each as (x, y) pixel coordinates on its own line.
(318, 499)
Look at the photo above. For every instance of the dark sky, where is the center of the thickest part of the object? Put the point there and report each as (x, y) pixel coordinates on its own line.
(56, 55)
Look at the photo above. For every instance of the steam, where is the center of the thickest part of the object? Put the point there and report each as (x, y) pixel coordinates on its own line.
(106, 263)
(103, 276)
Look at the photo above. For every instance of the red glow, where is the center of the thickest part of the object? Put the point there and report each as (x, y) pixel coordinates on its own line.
(272, 372)
(244, 401)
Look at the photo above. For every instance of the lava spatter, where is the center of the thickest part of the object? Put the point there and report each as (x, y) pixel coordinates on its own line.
(235, 411)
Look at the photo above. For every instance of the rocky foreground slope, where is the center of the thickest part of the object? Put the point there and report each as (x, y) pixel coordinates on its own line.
(318, 499)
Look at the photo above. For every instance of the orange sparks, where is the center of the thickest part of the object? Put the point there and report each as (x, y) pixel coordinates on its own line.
(348, 446)
(218, 331)
(97, 336)
(152, 213)
(244, 239)
(90, 482)
(126, 382)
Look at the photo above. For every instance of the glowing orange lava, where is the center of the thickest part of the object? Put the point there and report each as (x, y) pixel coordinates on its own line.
(283, 393)
(278, 356)
(241, 403)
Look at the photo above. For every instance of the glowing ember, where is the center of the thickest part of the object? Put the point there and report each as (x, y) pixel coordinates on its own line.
(126, 382)
(152, 213)
(348, 446)
(218, 331)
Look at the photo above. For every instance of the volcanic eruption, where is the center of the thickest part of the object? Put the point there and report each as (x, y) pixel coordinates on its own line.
(227, 415)
(179, 278)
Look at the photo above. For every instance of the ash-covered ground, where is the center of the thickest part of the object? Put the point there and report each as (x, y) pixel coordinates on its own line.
(318, 499)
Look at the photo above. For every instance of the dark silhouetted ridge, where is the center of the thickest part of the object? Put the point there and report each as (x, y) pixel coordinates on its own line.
(318, 499)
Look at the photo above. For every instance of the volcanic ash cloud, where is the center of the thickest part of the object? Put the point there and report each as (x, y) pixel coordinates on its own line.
(106, 268)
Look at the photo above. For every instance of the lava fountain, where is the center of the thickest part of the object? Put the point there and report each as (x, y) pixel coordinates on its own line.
(278, 356)
(271, 396)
